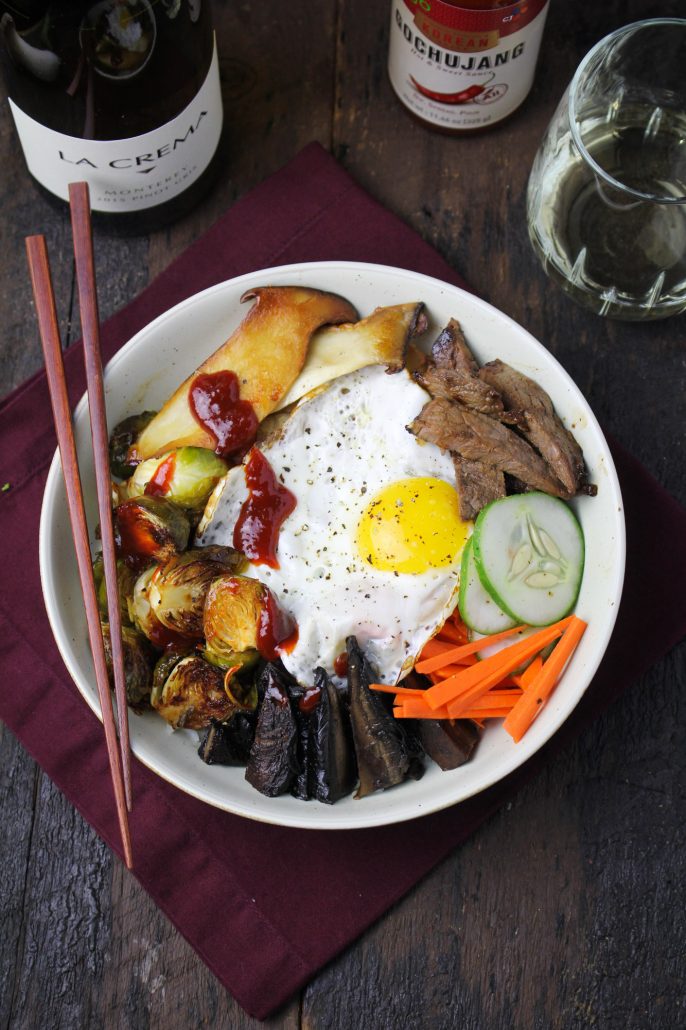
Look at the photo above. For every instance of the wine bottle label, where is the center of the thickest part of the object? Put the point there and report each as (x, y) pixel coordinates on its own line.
(128, 174)
(463, 69)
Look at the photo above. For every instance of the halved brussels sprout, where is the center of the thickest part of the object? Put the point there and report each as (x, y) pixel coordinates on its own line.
(117, 493)
(186, 476)
(237, 660)
(138, 663)
(164, 665)
(143, 616)
(233, 609)
(141, 612)
(150, 528)
(177, 589)
(242, 692)
(121, 439)
(126, 579)
(192, 695)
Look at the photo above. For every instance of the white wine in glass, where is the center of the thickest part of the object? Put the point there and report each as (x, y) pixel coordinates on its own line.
(607, 193)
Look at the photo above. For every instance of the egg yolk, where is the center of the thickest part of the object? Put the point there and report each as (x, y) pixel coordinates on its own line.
(412, 525)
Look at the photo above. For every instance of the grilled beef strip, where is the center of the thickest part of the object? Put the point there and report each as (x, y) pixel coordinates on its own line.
(450, 350)
(477, 485)
(466, 387)
(452, 374)
(540, 425)
(477, 437)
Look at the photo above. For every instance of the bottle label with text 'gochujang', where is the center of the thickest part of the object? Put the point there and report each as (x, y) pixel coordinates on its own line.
(461, 69)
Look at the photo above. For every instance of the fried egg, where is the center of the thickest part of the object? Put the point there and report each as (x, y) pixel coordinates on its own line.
(373, 545)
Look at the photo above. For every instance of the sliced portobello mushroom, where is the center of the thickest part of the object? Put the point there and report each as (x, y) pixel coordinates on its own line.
(304, 702)
(273, 762)
(229, 743)
(333, 769)
(450, 743)
(380, 747)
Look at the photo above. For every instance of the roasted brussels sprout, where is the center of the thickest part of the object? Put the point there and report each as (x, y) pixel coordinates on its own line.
(150, 528)
(231, 619)
(178, 588)
(235, 661)
(121, 439)
(242, 692)
(126, 579)
(138, 664)
(167, 661)
(192, 695)
(186, 476)
(142, 614)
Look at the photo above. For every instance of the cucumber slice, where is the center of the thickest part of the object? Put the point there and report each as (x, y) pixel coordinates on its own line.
(529, 554)
(477, 608)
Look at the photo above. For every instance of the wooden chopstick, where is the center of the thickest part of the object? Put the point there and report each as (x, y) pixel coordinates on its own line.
(79, 201)
(50, 339)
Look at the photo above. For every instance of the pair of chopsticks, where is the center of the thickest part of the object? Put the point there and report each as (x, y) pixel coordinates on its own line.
(118, 749)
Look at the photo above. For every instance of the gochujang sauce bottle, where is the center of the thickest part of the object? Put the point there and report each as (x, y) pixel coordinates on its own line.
(462, 67)
(121, 93)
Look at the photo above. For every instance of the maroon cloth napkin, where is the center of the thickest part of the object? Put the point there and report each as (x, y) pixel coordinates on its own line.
(240, 872)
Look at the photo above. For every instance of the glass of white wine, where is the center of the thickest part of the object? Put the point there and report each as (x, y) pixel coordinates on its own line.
(606, 205)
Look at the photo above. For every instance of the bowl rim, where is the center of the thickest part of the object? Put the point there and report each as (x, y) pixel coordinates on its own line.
(366, 818)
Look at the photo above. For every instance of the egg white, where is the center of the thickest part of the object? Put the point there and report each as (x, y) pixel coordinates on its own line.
(336, 451)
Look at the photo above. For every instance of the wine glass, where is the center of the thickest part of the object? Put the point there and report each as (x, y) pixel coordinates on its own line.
(606, 206)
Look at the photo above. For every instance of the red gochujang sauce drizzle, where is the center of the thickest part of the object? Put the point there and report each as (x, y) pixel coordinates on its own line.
(340, 664)
(277, 631)
(266, 508)
(134, 541)
(310, 699)
(159, 484)
(216, 406)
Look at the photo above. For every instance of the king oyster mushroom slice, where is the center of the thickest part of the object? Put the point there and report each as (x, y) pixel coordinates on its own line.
(265, 354)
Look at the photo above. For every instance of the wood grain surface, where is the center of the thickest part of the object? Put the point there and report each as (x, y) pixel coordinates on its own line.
(567, 908)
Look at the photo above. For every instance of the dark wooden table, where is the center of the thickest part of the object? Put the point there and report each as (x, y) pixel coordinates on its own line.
(567, 908)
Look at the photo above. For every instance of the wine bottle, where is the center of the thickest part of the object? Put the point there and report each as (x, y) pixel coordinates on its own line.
(461, 66)
(122, 93)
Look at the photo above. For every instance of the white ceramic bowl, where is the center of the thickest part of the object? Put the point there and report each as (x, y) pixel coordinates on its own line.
(151, 366)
